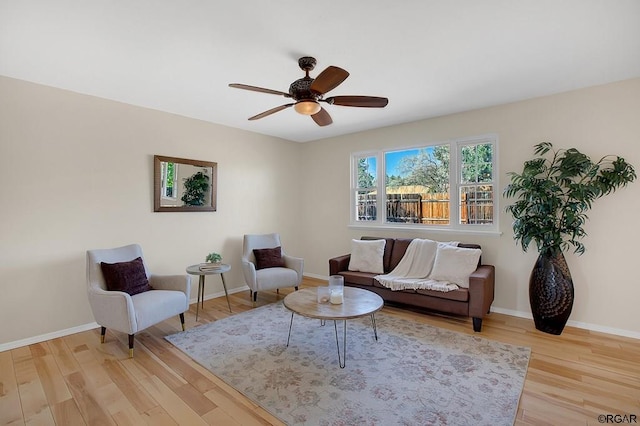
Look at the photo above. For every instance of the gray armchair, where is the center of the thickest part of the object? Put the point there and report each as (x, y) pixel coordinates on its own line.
(120, 311)
(288, 275)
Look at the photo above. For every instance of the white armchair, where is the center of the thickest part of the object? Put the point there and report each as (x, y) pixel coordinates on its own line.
(128, 314)
(268, 278)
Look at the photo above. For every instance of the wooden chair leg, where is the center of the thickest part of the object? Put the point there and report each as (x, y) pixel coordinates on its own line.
(182, 320)
(131, 346)
(103, 331)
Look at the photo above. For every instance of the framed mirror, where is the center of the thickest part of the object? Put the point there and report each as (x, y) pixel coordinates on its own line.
(182, 185)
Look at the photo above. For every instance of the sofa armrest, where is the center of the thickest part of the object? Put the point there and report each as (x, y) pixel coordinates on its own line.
(171, 282)
(339, 264)
(113, 309)
(481, 290)
(249, 273)
(295, 263)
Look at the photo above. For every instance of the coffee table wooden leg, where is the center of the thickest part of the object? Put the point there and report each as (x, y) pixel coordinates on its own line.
(341, 362)
(290, 325)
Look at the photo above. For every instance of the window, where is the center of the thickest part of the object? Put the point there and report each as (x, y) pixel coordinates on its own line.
(365, 182)
(168, 179)
(447, 185)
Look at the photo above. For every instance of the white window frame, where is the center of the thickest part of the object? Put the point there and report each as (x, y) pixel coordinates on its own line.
(455, 183)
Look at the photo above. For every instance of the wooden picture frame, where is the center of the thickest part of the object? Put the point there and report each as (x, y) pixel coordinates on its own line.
(184, 185)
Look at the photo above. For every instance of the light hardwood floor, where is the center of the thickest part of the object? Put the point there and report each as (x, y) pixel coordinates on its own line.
(75, 380)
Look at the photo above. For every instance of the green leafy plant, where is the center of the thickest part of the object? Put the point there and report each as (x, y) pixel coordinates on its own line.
(195, 189)
(554, 192)
(214, 258)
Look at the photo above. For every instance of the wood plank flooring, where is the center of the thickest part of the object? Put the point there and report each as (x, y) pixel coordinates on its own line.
(75, 380)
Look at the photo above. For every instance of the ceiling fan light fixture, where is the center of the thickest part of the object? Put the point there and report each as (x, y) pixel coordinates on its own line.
(307, 107)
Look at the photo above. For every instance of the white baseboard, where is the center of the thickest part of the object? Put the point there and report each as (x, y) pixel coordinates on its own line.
(48, 336)
(316, 276)
(577, 324)
(61, 333)
(221, 293)
(90, 326)
(527, 315)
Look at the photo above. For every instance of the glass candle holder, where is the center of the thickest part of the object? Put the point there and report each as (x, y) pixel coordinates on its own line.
(336, 286)
(324, 294)
(336, 297)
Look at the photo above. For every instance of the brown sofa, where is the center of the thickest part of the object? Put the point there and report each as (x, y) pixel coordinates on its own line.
(473, 302)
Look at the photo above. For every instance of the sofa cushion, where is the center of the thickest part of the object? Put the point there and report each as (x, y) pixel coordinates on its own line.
(360, 278)
(129, 277)
(367, 256)
(472, 246)
(461, 295)
(269, 258)
(454, 264)
(399, 249)
(388, 248)
(376, 283)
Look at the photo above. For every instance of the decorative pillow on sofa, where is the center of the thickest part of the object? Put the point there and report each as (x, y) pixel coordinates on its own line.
(454, 264)
(129, 277)
(366, 256)
(269, 258)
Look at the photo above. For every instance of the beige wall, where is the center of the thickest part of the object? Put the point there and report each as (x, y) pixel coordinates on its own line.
(77, 172)
(599, 120)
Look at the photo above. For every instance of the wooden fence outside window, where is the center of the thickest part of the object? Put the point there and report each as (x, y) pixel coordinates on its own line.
(427, 208)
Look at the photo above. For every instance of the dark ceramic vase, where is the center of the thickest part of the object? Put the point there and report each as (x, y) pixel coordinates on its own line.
(551, 293)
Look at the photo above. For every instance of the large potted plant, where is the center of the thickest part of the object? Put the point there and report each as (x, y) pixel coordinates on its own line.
(552, 195)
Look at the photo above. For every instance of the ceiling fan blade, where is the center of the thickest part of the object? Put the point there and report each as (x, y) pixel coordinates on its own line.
(358, 101)
(269, 112)
(322, 118)
(259, 89)
(328, 80)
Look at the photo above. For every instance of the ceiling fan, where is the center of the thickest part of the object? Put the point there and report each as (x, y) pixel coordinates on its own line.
(308, 92)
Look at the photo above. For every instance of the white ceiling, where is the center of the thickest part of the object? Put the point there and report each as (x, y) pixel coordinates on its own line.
(429, 57)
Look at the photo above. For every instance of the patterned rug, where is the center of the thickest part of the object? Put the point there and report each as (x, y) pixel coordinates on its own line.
(413, 375)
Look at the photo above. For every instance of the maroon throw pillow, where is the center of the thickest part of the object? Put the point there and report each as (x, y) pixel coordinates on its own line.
(269, 258)
(129, 277)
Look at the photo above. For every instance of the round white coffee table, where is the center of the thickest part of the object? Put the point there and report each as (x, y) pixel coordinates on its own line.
(356, 303)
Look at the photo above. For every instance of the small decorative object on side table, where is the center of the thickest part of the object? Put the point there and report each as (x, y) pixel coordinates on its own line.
(214, 258)
(203, 269)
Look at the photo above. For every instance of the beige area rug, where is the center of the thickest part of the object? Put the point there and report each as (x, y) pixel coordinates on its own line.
(413, 375)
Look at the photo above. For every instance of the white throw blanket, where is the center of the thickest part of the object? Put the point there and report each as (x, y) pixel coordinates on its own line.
(413, 269)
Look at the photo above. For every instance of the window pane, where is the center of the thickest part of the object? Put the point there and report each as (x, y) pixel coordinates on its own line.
(367, 172)
(366, 205)
(435, 209)
(417, 185)
(476, 204)
(168, 180)
(477, 163)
